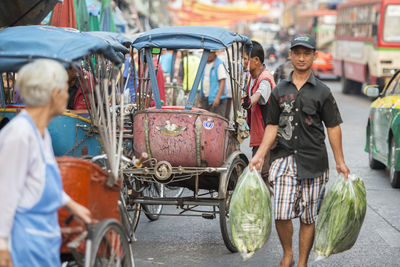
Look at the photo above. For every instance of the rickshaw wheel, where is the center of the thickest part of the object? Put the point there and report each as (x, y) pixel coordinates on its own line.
(153, 212)
(129, 219)
(129, 211)
(173, 191)
(110, 245)
(234, 172)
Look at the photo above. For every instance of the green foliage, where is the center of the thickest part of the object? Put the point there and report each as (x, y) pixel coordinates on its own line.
(250, 213)
(341, 216)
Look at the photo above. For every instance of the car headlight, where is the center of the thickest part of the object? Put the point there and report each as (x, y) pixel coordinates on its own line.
(388, 71)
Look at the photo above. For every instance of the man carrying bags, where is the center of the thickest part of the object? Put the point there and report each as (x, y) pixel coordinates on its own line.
(299, 108)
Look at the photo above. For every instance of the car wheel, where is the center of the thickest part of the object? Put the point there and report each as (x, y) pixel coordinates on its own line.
(373, 163)
(393, 174)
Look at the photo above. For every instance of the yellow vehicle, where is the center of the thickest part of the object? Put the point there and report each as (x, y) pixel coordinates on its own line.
(383, 129)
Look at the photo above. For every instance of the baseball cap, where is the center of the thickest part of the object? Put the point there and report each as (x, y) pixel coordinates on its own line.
(303, 39)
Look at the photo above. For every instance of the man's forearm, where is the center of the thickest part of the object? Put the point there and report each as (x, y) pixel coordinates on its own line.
(254, 98)
(221, 88)
(268, 139)
(335, 139)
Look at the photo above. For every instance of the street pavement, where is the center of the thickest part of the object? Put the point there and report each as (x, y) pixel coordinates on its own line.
(194, 241)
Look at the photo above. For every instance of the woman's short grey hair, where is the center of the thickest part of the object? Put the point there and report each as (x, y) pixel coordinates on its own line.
(37, 80)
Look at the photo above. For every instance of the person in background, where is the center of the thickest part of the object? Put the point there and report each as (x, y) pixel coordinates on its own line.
(298, 109)
(187, 73)
(246, 73)
(76, 99)
(223, 56)
(258, 92)
(73, 87)
(188, 69)
(129, 74)
(30, 183)
(160, 79)
(213, 89)
(283, 70)
(271, 55)
(166, 61)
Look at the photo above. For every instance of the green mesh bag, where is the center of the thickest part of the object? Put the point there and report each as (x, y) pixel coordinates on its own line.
(250, 213)
(341, 216)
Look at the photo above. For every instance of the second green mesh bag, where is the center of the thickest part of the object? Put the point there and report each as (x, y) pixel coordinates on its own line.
(341, 217)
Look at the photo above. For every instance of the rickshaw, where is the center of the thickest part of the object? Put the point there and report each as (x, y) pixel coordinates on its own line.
(183, 146)
(96, 187)
(72, 133)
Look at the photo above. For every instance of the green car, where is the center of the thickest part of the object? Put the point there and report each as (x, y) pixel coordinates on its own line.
(383, 129)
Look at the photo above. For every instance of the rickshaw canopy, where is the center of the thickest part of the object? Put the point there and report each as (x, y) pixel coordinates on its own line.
(115, 39)
(189, 37)
(20, 44)
(186, 37)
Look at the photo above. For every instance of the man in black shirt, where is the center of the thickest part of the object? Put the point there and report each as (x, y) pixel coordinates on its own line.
(299, 107)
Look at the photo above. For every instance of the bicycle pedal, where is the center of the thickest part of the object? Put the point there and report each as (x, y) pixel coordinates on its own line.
(208, 216)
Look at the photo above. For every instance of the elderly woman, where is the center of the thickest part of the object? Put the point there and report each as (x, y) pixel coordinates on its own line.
(30, 184)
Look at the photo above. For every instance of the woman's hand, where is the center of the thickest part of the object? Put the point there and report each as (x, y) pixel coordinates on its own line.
(5, 258)
(80, 212)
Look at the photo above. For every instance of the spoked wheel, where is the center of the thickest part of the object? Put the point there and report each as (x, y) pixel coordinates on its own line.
(111, 246)
(128, 209)
(234, 172)
(153, 190)
(173, 191)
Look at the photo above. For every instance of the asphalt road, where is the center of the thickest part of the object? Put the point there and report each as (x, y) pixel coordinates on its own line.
(193, 241)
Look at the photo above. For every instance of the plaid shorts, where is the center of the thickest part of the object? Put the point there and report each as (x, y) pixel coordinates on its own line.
(295, 197)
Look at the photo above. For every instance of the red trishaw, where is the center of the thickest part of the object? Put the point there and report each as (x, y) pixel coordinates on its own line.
(186, 147)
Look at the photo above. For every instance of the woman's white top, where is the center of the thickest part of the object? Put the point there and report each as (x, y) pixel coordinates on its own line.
(22, 170)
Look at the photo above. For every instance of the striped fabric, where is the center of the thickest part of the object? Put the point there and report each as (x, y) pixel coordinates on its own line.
(295, 197)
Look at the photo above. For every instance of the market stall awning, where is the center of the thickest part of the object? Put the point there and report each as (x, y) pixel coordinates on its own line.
(24, 12)
(195, 13)
(318, 13)
(64, 15)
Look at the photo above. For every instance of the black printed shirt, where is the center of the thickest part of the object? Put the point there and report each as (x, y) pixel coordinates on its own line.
(301, 116)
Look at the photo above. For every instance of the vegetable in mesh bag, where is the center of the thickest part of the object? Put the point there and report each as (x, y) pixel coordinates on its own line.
(341, 216)
(250, 213)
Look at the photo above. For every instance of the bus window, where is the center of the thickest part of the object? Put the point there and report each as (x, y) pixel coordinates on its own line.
(391, 31)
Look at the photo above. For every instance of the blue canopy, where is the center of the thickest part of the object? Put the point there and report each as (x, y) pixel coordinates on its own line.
(20, 44)
(115, 39)
(118, 41)
(189, 37)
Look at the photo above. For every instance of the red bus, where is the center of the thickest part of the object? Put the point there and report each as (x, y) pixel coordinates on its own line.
(367, 43)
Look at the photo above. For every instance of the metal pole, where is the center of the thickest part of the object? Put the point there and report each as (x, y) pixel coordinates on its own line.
(153, 78)
(173, 65)
(196, 82)
(2, 100)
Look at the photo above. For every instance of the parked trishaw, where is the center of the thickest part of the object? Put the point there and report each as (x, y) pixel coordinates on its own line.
(182, 146)
(106, 243)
